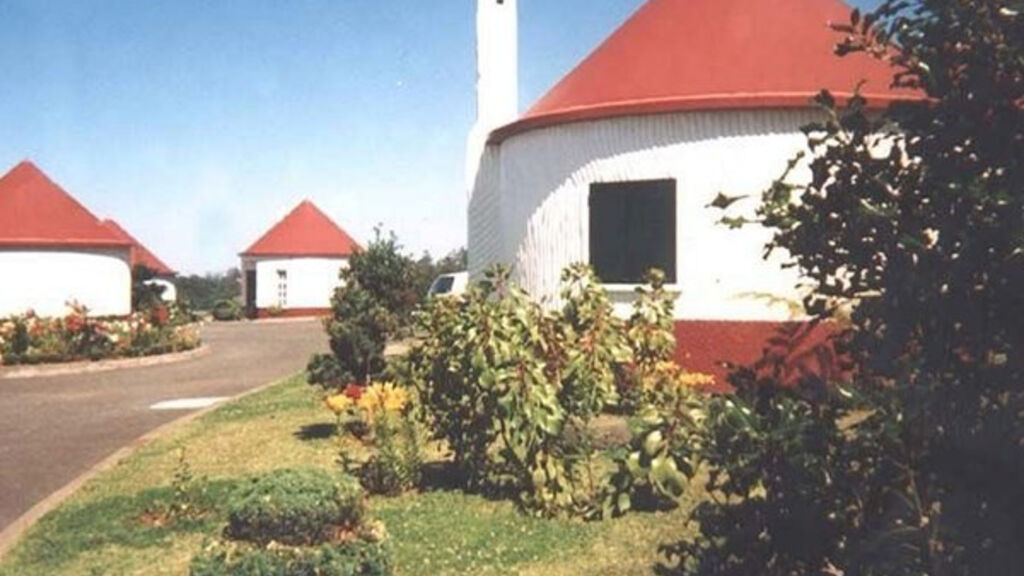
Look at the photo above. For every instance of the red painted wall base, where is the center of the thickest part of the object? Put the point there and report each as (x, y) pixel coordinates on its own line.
(292, 312)
(710, 346)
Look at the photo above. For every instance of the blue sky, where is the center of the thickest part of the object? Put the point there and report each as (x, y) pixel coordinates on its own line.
(198, 123)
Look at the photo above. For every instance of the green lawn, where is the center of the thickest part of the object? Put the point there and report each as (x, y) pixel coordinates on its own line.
(102, 529)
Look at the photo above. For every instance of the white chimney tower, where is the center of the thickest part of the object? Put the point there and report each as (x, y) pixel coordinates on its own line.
(497, 75)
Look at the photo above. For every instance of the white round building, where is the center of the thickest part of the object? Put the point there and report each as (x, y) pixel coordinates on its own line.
(53, 251)
(617, 165)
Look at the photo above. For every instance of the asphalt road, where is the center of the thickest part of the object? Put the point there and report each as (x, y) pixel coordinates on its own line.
(55, 428)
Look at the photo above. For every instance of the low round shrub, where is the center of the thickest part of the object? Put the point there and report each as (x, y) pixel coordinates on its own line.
(226, 311)
(295, 507)
(348, 559)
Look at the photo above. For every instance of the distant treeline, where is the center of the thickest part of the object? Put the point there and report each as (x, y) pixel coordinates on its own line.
(202, 292)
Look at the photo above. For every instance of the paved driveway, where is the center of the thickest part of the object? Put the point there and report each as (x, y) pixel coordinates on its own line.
(52, 429)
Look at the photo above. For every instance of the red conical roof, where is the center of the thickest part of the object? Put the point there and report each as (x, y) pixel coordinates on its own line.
(676, 55)
(140, 255)
(305, 231)
(36, 212)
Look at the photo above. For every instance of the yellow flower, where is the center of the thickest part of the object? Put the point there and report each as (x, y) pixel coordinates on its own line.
(380, 398)
(338, 403)
(396, 400)
(666, 367)
(696, 379)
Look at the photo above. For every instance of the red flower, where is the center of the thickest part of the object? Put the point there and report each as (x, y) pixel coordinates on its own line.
(160, 315)
(354, 390)
(74, 324)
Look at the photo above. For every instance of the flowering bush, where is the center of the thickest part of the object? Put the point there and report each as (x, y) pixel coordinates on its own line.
(368, 402)
(381, 413)
(32, 339)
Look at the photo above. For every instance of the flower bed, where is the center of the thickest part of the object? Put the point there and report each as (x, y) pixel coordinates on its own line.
(32, 339)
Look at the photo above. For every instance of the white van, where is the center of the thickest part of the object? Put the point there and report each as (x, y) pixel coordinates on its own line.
(449, 284)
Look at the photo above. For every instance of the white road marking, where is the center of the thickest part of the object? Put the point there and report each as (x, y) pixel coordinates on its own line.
(187, 403)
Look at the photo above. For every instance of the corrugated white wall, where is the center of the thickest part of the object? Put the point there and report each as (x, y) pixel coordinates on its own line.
(529, 206)
(310, 284)
(485, 234)
(45, 280)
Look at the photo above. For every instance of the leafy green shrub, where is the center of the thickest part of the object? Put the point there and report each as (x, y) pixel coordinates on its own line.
(511, 387)
(295, 507)
(356, 558)
(227, 310)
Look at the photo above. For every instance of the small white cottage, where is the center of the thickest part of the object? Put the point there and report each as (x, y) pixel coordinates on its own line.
(293, 269)
(163, 275)
(616, 165)
(53, 251)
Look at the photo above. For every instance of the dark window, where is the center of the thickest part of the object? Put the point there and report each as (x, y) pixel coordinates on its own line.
(633, 229)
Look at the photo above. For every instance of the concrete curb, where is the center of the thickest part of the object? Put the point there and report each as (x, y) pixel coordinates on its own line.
(39, 371)
(10, 535)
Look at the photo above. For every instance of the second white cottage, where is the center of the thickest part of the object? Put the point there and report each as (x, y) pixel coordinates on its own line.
(293, 269)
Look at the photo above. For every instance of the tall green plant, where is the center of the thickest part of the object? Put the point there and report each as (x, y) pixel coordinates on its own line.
(667, 431)
(375, 298)
(511, 387)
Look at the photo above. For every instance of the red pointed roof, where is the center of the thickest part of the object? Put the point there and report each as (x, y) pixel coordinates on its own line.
(676, 55)
(305, 231)
(34, 211)
(140, 255)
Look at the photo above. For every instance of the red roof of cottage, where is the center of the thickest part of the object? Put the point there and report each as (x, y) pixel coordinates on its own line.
(305, 231)
(676, 55)
(140, 255)
(34, 211)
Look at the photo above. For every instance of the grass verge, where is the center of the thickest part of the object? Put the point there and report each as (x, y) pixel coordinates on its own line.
(103, 528)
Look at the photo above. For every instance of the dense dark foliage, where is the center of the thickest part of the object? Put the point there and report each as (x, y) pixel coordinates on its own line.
(912, 222)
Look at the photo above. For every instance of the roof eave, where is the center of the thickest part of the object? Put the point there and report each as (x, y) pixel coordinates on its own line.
(63, 242)
(292, 255)
(703, 103)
